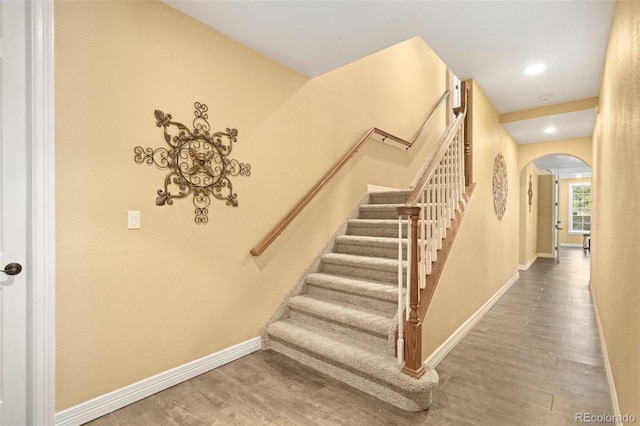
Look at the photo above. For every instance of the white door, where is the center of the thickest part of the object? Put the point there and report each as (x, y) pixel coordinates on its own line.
(13, 214)
(557, 224)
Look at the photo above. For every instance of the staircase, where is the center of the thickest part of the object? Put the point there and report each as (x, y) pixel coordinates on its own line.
(341, 319)
(356, 314)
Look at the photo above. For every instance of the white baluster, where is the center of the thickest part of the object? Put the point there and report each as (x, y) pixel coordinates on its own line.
(422, 269)
(458, 187)
(454, 175)
(433, 232)
(442, 225)
(400, 349)
(427, 236)
(448, 167)
(460, 168)
(454, 197)
(409, 240)
(462, 163)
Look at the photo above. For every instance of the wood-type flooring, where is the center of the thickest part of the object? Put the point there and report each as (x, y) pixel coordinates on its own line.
(534, 359)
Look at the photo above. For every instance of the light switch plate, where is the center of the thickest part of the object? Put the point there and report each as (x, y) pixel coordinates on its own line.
(133, 219)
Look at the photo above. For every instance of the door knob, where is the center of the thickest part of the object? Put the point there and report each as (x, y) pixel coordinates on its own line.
(12, 269)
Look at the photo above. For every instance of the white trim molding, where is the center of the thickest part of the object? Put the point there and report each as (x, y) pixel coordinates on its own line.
(41, 238)
(438, 355)
(546, 255)
(607, 364)
(529, 263)
(570, 245)
(122, 397)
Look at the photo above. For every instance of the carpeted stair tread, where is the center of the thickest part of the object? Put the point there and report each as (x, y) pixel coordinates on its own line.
(363, 240)
(341, 350)
(379, 211)
(380, 206)
(374, 263)
(377, 222)
(405, 192)
(368, 320)
(387, 197)
(378, 290)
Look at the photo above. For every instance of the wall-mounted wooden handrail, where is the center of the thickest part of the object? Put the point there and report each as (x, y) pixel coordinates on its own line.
(384, 136)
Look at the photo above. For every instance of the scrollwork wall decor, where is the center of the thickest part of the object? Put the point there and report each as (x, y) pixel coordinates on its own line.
(198, 162)
(530, 193)
(500, 186)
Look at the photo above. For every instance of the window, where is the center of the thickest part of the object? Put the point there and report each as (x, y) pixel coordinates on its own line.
(579, 207)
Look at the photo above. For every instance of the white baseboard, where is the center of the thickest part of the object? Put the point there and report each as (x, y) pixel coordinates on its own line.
(529, 263)
(442, 351)
(547, 255)
(112, 401)
(607, 365)
(570, 245)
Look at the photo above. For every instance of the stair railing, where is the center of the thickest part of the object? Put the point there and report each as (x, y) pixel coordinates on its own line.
(429, 209)
(374, 133)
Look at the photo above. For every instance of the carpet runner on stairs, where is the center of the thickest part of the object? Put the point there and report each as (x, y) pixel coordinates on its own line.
(342, 321)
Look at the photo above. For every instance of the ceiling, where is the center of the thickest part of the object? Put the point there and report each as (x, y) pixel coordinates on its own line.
(490, 41)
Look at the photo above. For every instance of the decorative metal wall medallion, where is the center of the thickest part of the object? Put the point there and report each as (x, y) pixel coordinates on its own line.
(530, 193)
(500, 186)
(197, 161)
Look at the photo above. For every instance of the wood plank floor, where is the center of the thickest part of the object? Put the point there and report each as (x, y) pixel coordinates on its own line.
(534, 359)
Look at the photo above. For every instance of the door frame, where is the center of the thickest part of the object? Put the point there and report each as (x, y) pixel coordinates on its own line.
(41, 220)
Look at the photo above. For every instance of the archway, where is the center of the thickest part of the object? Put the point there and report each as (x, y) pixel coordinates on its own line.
(554, 206)
(580, 148)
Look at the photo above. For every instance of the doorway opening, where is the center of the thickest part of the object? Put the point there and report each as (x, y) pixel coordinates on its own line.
(555, 208)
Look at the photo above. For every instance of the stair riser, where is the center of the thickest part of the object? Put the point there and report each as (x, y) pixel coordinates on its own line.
(388, 252)
(390, 277)
(378, 214)
(378, 343)
(398, 198)
(407, 401)
(389, 230)
(385, 230)
(388, 198)
(389, 306)
(391, 214)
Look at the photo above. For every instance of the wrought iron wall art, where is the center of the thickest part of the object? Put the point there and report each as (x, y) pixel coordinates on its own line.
(500, 186)
(198, 162)
(530, 193)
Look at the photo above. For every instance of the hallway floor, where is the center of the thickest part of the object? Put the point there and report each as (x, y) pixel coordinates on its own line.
(534, 359)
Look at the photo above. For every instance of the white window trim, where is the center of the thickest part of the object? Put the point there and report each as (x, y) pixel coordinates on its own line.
(570, 230)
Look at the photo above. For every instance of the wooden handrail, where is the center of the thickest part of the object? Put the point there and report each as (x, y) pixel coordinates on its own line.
(412, 325)
(282, 225)
(428, 172)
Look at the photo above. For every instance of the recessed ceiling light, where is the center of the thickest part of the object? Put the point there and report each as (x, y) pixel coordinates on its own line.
(535, 69)
(550, 129)
(578, 176)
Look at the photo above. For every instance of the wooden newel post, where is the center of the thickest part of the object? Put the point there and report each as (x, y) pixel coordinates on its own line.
(468, 155)
(413, 327)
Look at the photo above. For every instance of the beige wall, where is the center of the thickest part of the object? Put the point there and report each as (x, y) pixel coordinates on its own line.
(545, 215)
(579, 147)
(565, 236)
(528, 215)
(615, 269)
(131, 304)
(485, 254)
